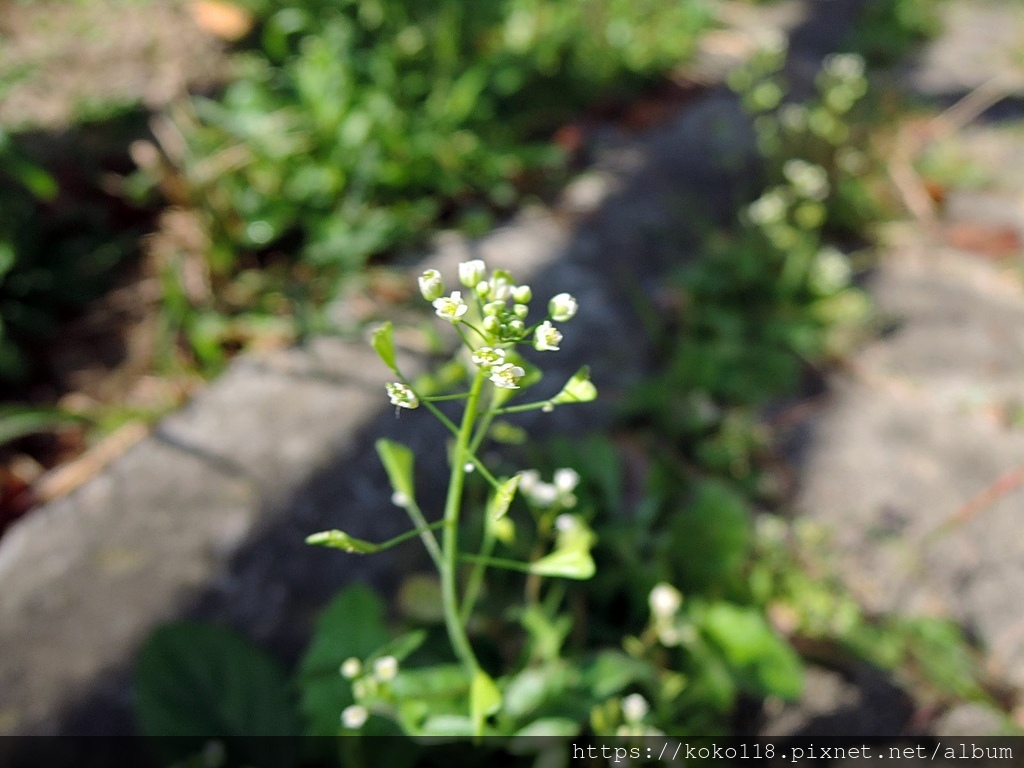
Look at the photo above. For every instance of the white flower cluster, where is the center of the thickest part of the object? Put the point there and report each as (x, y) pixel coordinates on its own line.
(558, 493)
(500, 307)
(365, 685)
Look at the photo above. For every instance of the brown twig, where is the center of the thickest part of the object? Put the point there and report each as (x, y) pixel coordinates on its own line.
(1003, 485)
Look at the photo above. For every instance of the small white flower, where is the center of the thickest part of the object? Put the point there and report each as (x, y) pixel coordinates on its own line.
(401, 395)
(770, 208)
(500, 286)
(528, 480)
(431, 285)
(544, 495)
(351, 668)
(793, 117)
(507, 376)
(385, 668)
(562, 307)
(665, 600)
(354, 717)
(635, 708)
(565, 523)
(400, 499)
(488, 357)
(472, 272)
(451, 308)
(845, 66)
(547, 337)
(809, 180)
(566, 480)
(830, 271)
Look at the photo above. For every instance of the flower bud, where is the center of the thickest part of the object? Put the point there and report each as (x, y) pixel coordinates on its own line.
(471, 273)
(385, 668)
(520, 311)
(562, 307)
(351, 668)
(354, 717)
(522, 294)
(431, 285)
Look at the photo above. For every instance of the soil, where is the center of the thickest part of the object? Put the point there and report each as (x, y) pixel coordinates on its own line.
(80, 81)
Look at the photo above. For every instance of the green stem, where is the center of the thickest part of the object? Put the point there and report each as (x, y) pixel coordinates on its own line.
(498, 562)
(419, 530)
(525, 407)
(476, 576)
(439, 398)
(450, 541)
(425, 531)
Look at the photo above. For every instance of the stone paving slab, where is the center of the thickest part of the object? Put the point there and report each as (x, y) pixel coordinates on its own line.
(910, 438)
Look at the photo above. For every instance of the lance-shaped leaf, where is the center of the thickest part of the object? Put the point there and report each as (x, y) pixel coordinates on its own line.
(502, 498)
(383, 340)
(484, 700)
(578, 389)
(565, 564)
(397, 460)
(341, 540)
(401, 647)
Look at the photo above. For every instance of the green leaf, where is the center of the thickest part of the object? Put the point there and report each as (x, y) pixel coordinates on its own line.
(17, 421)
(340, 540)
(194, 682)
(502, 498)
(441, 681)
(550, 726)
(383, 340)
(611, 672)
(711, 539)
(401, 647)
(398, 462)
(566, 564)
(484, 700)
(761, 662)
(579, 389)
(351, 625)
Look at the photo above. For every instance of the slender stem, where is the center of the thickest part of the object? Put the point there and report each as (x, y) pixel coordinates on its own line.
(450, 541)
(498, 562)
(525, 407)
(476, 576)
(419, 530)
(426, 531)
(439, 398)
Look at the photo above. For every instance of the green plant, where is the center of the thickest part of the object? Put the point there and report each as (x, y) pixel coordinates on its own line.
(887, 29)
(490, 329)
(360, 125)
(52, 260)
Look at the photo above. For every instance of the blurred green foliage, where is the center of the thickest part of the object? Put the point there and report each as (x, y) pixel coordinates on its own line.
(357, 126)
(887, 29)
(53, 258)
